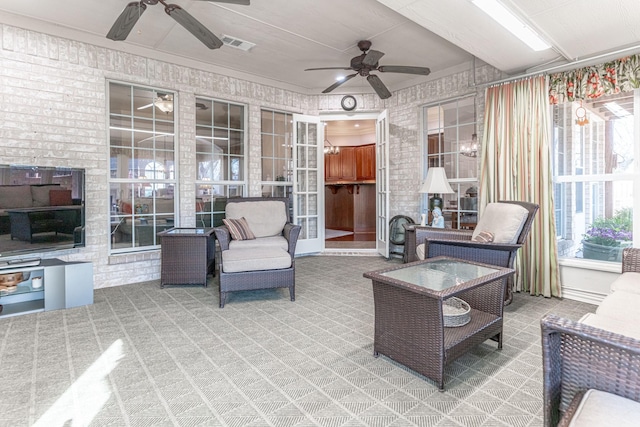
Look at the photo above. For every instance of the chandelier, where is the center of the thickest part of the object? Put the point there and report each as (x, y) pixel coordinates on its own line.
(331, 149)
(470, 148)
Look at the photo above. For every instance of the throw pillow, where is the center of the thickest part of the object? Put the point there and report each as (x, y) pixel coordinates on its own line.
(239, 229)
(60, 198)
(483, 237)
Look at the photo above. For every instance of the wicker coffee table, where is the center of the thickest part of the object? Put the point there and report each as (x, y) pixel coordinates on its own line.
(409, 321)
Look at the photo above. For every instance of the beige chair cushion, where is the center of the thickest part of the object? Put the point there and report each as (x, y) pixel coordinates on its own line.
(503, 220)
(234, 261)
(266, 218)
(264, 242)
(16, 196)
(599, 408)
(40, 194)
(624, 306)
(611, 324)
(627, 282)
(420, 251)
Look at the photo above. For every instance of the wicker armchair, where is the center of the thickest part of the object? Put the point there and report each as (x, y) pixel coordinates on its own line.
(458, 244)
(258, 254)
(576, 358)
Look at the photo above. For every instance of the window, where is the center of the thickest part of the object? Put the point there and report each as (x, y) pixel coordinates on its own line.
(277, 151)
(593, 177)
(450, 141)
(220, 158)
(142, 165)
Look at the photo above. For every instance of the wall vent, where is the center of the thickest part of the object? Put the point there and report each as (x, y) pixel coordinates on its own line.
(237, 43)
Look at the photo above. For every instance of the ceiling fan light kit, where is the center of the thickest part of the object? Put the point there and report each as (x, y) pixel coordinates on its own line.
(367, 62)
(133, 11)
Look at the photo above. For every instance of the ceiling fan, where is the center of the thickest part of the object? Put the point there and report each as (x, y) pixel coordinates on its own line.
(368, 61)
(163, 102)
(132, 12)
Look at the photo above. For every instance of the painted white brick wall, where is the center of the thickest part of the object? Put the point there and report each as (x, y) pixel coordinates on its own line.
(53, 110)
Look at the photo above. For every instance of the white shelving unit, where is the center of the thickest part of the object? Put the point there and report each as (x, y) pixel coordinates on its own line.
(64, 285)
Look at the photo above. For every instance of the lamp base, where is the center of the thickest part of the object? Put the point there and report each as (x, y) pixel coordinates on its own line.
(435, 201)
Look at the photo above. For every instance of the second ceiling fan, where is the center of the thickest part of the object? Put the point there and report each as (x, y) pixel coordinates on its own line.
(368, 61)
(132, 12)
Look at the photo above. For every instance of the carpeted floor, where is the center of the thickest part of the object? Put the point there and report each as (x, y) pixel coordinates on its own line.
(145, 356)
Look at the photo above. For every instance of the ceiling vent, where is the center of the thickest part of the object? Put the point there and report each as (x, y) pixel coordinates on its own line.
(237, 43)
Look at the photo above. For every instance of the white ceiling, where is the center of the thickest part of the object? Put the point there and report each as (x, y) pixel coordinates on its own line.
(291, 35)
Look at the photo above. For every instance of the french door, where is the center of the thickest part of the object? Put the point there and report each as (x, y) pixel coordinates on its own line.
(308, 193)
(382, 184)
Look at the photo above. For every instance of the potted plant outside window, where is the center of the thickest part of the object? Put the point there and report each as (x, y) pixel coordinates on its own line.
(607, 237)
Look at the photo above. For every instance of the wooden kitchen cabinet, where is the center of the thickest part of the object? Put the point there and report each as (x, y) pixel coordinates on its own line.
(366, 162)
(351, 164)
(348, 163)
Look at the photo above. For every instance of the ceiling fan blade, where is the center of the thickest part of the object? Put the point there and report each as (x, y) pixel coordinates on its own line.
(146, 106)
(336, 84)
(126, 21)
(194, 26)
(404, 69)
(372, 57)
(378, 86)
(329, 68)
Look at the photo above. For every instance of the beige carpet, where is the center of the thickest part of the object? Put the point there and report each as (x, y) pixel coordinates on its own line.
(145, 356)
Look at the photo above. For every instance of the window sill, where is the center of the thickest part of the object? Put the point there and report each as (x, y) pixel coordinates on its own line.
(130, 257)
(612, 267)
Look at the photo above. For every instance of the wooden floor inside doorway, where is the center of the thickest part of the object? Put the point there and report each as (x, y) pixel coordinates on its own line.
(352, 241)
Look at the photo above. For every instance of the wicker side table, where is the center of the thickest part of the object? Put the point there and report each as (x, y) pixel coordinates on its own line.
(188, 256)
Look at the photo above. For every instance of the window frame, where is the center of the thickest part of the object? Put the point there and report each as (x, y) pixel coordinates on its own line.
(133, 215)
(210, 204)
(457, 183)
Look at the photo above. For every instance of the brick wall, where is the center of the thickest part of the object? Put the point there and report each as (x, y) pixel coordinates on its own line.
(53, 111)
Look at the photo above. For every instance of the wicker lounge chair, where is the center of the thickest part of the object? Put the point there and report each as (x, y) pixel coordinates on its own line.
(458, 244)
(266, 261)
(578, 359)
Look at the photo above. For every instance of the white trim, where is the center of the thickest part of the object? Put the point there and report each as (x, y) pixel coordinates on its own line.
(582, 295)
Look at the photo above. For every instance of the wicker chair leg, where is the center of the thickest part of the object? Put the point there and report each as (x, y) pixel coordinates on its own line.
(223, 298)
(508, 298)
(292, 292)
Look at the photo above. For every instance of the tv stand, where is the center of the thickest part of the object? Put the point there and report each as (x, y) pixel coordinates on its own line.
(62, 285)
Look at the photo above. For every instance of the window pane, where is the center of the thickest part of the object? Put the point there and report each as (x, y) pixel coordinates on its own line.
(142, 165)
(593, 173)
(220, 157)
(450, 141)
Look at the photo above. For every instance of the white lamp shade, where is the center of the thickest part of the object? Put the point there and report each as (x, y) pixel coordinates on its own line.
(436, 182)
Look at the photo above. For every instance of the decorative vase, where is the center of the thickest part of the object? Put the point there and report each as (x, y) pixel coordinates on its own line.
(602, 252)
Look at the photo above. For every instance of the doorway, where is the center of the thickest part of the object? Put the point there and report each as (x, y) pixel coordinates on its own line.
(350, 184)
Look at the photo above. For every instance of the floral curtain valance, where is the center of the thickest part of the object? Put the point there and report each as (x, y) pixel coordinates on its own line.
(621, 75)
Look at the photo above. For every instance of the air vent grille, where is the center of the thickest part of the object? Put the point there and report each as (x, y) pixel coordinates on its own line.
(237, 43)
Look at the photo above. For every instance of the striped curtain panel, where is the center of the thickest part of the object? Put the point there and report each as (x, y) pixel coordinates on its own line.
(516, 165)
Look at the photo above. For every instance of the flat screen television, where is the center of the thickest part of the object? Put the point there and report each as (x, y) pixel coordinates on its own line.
(41, 209)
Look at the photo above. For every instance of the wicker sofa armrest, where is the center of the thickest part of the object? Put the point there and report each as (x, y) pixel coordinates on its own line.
(223, 236)
(291, 232)
(420, 233)
(577, 357)
(631, 260)
(471, 244)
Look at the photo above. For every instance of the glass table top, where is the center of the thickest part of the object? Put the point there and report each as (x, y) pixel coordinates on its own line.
(188, 230)
(439, 275)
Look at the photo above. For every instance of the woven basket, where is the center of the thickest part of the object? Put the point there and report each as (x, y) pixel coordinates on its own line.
(10, 279)
(456, 312)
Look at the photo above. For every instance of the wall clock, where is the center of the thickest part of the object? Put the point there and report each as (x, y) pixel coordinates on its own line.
(348, 103)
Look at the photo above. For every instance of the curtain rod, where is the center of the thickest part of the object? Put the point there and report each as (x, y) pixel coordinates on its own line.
(561, 67)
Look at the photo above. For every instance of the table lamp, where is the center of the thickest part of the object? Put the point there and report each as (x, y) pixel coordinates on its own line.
(436, 183)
